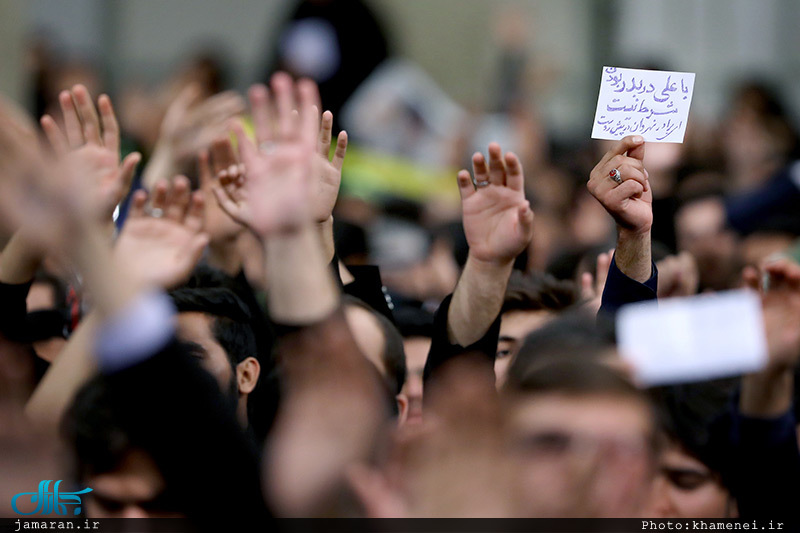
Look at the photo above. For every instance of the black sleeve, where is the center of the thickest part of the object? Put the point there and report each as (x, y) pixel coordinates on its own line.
(442, 350)
(762, 462)
(176, 411)
(621, 290)
(367, 286)
(13, 309)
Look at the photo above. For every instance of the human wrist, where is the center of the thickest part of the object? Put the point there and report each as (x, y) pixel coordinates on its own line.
(633, 255)
(767, 393)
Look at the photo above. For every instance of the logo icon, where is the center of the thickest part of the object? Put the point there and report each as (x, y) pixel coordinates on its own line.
(46, 502)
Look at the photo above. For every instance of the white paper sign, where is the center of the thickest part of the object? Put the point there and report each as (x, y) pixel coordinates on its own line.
(651, 103)
(682, 340)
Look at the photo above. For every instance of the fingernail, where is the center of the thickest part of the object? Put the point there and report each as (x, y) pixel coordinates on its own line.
(638, 139)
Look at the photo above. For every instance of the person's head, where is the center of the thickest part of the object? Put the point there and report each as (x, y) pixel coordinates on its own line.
(216, 325)
(124, 478)
(531, 301)
(381, 342)
(689, 482)
(584, 437)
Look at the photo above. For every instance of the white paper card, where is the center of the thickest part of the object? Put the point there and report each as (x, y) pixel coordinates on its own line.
(651, 103)
(681, 340)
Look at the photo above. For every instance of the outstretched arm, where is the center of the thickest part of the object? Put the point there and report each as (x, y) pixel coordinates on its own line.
(498, 223)
(632, 276)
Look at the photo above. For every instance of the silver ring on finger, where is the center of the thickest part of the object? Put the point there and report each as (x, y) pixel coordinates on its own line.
(615, 175)
(156, 212)
(267, 147)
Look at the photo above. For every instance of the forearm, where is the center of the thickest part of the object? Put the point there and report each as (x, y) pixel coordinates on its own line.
(20, 260)
(633, 254)
(767, 394)
(225, 256)
(477, 300)
(325, 230)
(302, 290)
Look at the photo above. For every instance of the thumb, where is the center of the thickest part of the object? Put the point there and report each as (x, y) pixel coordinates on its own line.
(637, 152)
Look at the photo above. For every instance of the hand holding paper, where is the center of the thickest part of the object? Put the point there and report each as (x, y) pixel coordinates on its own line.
(651, 103)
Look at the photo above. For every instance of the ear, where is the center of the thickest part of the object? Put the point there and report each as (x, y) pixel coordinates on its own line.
(402, 408)
(247, 373)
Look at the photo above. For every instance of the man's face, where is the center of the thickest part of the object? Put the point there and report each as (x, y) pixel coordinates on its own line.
(514, 327)
(195, 327)
(582, 455)
(136, 489)
(685, 488)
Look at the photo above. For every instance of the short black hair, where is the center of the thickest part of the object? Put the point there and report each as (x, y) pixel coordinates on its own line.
(574, 335)
(231, 321)
(539, 291)
(99, 442)
(394, 355)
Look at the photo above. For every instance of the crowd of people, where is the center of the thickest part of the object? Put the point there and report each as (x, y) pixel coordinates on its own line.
(220, 331)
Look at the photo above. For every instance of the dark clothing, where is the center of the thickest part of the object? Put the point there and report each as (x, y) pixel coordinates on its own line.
(442, 350)
(621, 290)
(779, 197)
(762, 466)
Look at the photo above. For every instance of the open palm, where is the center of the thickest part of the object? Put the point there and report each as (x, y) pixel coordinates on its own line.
(498, 221)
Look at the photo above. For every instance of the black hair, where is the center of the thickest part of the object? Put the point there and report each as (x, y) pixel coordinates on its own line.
(572, 336)
(538, 291)
(394, 355)
(230, 325)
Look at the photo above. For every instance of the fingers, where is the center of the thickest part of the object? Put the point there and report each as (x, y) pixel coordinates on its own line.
(465, 187)
(223, 156)
(54, 135)
(626, 190)
(138, 204)
(514, 178)
(159, 195)
(259, 106)
(341, 151)
(127, 169)
(309, 126)
(225, 202)
(194, 214)
(603, 265)
(751, 278)
(479, 168)
(72, 122)
(625, 145)
(587, 286)
(247, 151)
(109, 122)
(308, 93)
(284, 103)
(88, 114)
(324, 141)
(497, 169)
(178, 198)
(525, 214)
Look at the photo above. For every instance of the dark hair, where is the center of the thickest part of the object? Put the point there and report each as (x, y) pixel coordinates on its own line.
(99, 442)
(394, 355)
(231, 324)
(581, 378)
(573, 336)
(538, 291)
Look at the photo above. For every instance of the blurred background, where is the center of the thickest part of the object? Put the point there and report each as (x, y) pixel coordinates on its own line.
(421, 84)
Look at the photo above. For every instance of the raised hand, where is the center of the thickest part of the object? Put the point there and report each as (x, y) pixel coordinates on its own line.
(91, 146)
(273, 196)
(272, 114)
(780, 300)
(592, 286)
(162, 246)
(498, 221)
(630, 202)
